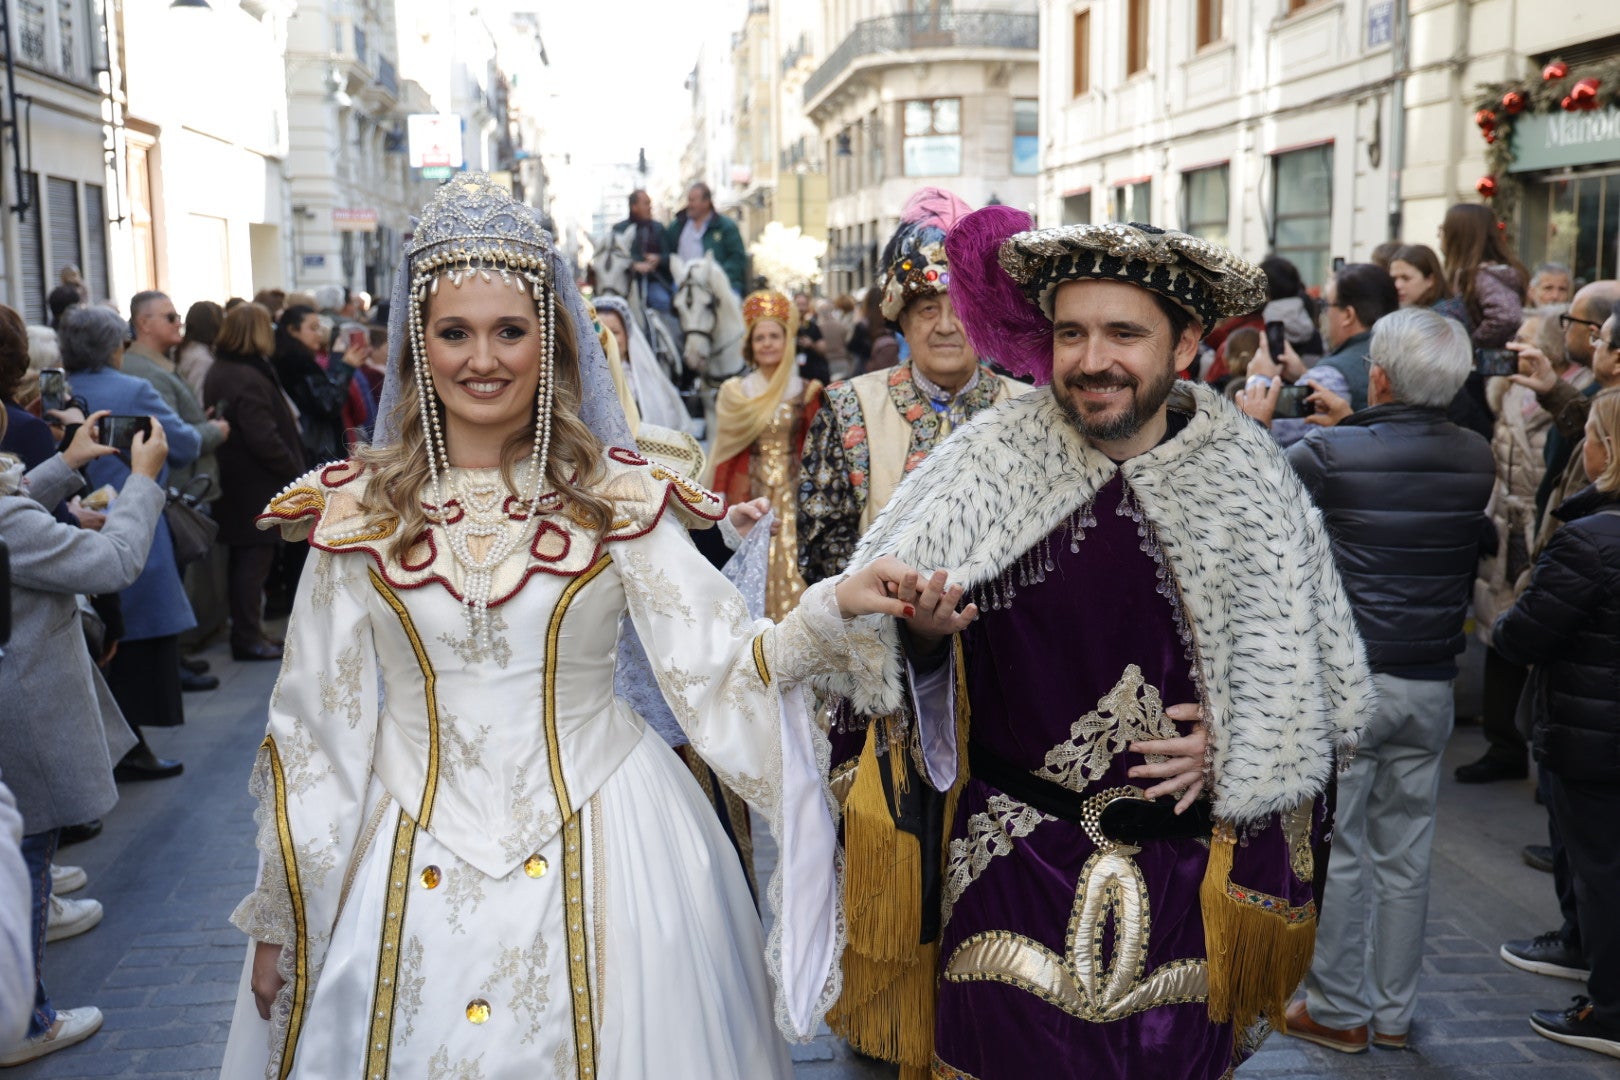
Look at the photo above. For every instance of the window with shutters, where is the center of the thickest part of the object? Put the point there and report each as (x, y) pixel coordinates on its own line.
(31, 24)
(62, 215)
(1206, 202)
(1136, 36)
(31, 264)
(95, 242)
(54, 36)
(1082, 52)
(1302, 193)
(141, 228)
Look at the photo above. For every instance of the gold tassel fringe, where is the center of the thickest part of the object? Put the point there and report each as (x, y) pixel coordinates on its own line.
(1257, 957)
(882, 865)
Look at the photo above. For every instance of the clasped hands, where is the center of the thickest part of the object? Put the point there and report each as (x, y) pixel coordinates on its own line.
(928, 607)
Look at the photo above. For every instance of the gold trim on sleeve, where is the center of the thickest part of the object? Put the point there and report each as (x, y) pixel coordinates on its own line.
(289, 861)
(760, 664)
(430, 786)
(559, 783)
(381, 1040)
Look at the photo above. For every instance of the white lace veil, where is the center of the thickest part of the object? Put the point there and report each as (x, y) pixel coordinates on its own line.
(476, 217)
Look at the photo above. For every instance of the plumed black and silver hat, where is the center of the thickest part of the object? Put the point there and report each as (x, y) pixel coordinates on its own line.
(1204, 278)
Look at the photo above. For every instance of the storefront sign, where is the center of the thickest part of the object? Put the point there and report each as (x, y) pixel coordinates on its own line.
(1559, 139)
(314, 262)
(435, 140)
(437, 172)
(357, 219)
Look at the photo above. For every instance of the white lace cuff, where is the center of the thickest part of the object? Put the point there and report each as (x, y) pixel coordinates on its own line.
(266, 914)
(816, 640)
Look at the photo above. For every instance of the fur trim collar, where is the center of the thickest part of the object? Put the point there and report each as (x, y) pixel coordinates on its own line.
(1284, 675)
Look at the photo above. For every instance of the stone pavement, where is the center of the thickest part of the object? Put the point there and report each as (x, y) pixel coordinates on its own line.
(177, 855)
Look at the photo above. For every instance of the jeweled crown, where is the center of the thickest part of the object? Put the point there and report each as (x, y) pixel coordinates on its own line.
(768, 304)
(474, 222)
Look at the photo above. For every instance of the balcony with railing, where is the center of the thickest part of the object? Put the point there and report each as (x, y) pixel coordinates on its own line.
(925, 30)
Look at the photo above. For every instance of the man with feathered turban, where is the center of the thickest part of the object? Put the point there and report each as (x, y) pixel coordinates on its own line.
(876, 428)
(1084, 835)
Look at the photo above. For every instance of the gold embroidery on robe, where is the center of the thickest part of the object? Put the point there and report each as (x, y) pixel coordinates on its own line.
(1296, 825)
(1132, 711)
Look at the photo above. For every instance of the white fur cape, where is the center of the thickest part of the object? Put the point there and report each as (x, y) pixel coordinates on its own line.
(1282, 665)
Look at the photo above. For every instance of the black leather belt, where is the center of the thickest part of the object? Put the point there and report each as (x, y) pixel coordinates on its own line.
(1125, 821)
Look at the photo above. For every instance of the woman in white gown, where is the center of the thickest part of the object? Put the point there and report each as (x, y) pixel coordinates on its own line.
(476, 862)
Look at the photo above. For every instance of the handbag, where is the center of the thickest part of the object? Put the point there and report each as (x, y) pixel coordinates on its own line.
(191, 529)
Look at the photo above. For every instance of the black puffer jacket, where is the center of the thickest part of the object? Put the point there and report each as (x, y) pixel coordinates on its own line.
(1567, 623)
(1403, 491)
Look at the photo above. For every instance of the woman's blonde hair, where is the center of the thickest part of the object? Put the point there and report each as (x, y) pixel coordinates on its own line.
(400, 469)
(1605, 419)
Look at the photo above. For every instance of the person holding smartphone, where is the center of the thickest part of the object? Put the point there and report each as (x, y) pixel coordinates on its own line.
(1286, 396)
(57, 752)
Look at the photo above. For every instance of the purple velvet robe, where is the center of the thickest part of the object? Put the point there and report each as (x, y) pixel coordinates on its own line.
(1059, 631)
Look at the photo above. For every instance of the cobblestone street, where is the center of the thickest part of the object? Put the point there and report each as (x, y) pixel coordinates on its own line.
(177, 855)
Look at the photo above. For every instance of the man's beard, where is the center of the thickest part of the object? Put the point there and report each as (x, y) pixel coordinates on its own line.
(1146, 399)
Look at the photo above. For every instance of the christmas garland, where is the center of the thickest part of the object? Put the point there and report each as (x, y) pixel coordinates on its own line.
(1558, 88)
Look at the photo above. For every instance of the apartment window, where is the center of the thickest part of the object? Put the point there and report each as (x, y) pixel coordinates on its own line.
(1077, 208)
(1133, 201)
(933, 144)
(50, 35)
(1295, 5)
(1211, 22)
(1206, 203)
(95, 242)
(1082, 53)
(62, 218)
(1302, 192)
(1136, 37)
(1026, 155)
(31, 249)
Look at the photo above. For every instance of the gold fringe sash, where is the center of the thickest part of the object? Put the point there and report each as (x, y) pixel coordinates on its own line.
(1259, 946)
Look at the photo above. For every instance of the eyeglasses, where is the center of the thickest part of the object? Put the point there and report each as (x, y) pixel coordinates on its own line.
(167, 316)
(1595, 338)
(1566, 319)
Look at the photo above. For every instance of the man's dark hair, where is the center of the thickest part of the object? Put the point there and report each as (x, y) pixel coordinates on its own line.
(139, 302)
(708, 196)
(1180, 318)
(1368, 290)
(1282, 277)
(630, 203)
(61, 299)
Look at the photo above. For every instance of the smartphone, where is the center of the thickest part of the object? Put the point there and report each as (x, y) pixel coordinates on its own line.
(1496, 362)
(1291, 403)
(1338, 263)
(358, 339)
(119, 431)
(53, 389)
(1276, 340)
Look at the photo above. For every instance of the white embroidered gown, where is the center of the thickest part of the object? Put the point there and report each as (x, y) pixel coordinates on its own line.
(480, 863)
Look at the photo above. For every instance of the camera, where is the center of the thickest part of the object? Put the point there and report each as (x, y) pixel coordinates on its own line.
(119, 431)
(53, 389)
(1276, 340)
(1291, 403)
(1490, 362)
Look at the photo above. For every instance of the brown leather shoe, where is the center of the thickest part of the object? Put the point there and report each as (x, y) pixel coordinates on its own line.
(1389, 1042)
(1301, 1026)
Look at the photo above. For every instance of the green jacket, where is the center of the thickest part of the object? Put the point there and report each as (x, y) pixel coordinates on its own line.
(179, 396)
(720, 239)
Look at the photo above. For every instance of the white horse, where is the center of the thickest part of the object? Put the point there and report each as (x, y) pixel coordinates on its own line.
(711, 319)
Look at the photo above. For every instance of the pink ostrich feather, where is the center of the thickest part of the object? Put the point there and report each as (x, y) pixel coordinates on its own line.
(934, 206)
(1001, 323)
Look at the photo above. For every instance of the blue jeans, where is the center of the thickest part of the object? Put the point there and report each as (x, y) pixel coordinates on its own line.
(38, 850)
(658, 295)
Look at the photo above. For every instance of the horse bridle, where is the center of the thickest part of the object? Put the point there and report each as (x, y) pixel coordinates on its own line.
(713, 308)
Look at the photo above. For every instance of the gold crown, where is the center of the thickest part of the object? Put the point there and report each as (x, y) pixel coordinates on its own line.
(768, 304)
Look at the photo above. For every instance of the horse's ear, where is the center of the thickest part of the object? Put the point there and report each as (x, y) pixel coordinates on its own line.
(677, 267)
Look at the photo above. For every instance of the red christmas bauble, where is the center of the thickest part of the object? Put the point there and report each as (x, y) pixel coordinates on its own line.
(1568, 104)
(1585, 94)
(1490, 137)
(1485, 119)
(1554, 71)
(1513, 102)
(1486, 186)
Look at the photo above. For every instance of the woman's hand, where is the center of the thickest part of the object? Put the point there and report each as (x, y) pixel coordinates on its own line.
(1183, 773)
(1330, 408)
(150, 451)
(745, 515)
(266, 981)
(1535, 370)
(88, 519)
(84, 449)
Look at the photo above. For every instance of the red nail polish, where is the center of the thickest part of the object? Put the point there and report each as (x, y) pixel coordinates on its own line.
(910, 611)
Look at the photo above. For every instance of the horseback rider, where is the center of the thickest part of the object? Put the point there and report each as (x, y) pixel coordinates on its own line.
(650, 265)
(698, 229)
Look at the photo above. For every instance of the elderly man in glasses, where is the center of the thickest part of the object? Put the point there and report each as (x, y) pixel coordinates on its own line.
(157, 331)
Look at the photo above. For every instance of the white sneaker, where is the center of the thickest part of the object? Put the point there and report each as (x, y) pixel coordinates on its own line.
(66, 879)
(72, 1027)
(69, 918)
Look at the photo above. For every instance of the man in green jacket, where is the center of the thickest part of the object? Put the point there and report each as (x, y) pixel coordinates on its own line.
(698, 230)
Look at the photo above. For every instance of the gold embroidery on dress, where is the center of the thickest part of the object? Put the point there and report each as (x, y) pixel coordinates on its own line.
(380, 1044)
(298, 760)
(463, 889)
(1132, 711)
(324, 591)
(469, 650)
(651, 588)
(300, 943)
(1087, 982)
(461, 752)
(598, 899)
(675, 682)
(1296, 824)
(411, 981)
(441, 1068)
(989, 833)
(525, 971)
(317, 858)
(340, 696)
(430, 784)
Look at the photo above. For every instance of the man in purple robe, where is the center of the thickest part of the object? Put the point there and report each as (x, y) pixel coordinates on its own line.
(1084, 838)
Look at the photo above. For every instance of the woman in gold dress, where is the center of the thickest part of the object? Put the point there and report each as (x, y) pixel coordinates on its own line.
(761, 420)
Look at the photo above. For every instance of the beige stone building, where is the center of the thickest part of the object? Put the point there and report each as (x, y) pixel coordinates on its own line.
(920, 93)
(1314, 129)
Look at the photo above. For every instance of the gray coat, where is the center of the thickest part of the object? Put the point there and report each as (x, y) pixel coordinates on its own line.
(60, 730)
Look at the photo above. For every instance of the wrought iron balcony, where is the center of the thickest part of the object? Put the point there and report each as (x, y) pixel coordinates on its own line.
(926, 30)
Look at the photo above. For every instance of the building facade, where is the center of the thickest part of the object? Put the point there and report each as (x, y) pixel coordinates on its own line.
(1316, 130)
(916, 94)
